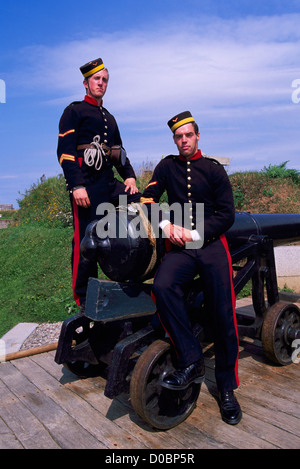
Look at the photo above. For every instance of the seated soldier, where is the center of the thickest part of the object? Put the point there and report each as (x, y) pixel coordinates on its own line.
(189, 178)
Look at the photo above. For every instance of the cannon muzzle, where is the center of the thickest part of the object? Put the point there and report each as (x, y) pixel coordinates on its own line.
(123, 255)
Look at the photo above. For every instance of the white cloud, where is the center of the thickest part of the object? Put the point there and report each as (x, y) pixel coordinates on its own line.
(220, 62)
(234, 75)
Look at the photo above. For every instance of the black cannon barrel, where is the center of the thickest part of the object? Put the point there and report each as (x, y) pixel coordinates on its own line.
(282, 228)
(132, 257)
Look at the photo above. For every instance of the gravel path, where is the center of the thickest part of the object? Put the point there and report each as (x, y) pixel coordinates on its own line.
(44, 334)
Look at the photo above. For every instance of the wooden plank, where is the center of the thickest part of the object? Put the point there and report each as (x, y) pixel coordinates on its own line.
(82, 411)
(40, 400)
(207, 414)
(185, 431)
(264, 395)
(277, 386)
(285, 427)
(257, 430)
(196, 437)
(184, 436)
(122, 414)
(61, 426)
(264, 366)
(119, 410)
(7, 438)
(23, 426)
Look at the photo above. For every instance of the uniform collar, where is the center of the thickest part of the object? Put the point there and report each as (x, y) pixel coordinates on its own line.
(196, 156)
(91, 100)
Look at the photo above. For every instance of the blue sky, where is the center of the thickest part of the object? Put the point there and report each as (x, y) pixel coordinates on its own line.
(231, 63)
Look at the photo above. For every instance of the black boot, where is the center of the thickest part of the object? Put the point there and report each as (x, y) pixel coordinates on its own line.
(230, 408)
(183, 377)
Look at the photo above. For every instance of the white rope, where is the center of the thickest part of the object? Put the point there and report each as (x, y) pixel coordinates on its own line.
(151, 236)
(94, 156)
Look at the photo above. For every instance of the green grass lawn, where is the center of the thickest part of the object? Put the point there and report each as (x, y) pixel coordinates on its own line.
(35, 275)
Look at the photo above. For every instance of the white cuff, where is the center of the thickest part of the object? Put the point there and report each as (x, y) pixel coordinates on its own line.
(195, 235)
(164, 223)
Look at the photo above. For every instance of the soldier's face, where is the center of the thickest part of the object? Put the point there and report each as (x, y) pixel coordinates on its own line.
(96, 85)
(186, 140)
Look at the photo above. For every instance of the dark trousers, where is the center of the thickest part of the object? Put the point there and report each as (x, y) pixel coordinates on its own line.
(99, 191)
(177, 269)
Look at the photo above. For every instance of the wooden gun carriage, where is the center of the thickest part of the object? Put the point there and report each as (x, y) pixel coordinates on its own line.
(116, 336)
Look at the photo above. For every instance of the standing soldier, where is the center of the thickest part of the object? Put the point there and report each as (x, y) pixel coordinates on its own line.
(89, 145)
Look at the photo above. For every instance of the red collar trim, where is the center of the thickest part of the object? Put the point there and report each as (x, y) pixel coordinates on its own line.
(91, 100)
(196, 156)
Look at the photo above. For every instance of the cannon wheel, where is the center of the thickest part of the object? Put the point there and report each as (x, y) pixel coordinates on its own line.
(280, 327)
(160, 407)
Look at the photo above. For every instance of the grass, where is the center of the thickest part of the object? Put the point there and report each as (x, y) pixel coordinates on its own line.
(257, 193)
(35, 251)
(35, 275)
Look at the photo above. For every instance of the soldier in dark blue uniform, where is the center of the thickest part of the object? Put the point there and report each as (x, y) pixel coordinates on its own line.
(192, 179)
(89, 145)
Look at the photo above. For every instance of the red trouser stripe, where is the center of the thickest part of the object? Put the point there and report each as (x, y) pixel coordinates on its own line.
(76, 250)
(225, 244)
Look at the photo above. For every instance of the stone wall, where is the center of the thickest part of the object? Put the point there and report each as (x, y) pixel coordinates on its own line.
(4, 207)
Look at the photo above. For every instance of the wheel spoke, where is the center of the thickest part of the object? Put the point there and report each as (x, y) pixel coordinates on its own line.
(277, 330)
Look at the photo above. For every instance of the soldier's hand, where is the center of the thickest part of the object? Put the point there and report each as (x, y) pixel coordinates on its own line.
(131, 186)
(81, 197)
(177, 234)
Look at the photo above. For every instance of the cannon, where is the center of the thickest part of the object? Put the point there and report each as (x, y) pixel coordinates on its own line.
(117, 337)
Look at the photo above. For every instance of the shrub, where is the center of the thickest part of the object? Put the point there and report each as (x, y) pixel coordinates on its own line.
(280, 171)
(47, 203)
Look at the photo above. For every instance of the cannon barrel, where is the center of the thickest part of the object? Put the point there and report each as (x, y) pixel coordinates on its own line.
(132, 257)
(281, 228)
